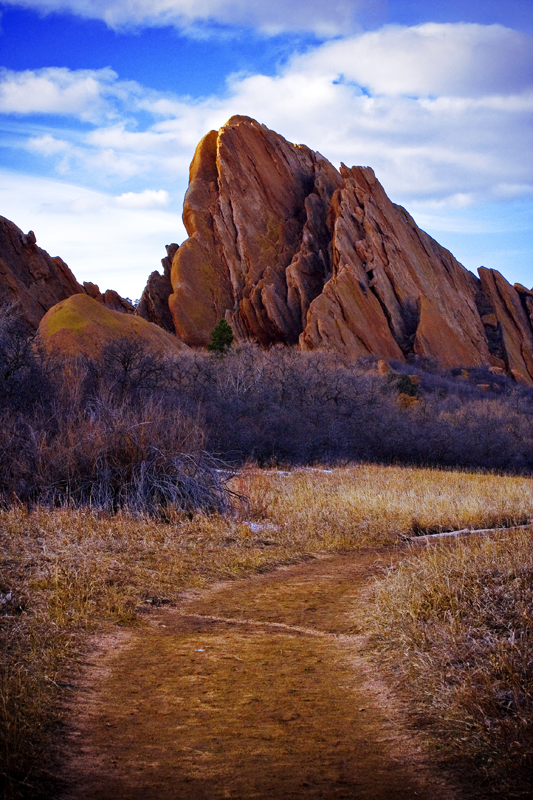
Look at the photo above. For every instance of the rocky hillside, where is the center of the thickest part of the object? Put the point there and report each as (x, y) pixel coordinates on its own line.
(290, 250)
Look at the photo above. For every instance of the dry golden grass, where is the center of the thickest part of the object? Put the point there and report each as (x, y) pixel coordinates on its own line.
(65, 574)
(454, 625)
(371, 504)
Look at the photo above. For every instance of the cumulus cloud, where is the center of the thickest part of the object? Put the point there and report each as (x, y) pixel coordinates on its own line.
(320, 16)
(432, 59)
(149, 198)
(56, 90)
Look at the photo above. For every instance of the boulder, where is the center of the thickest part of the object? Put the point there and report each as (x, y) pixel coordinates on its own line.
(81, 326)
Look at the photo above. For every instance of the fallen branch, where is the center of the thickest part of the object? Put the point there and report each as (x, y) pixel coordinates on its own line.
(430, 537)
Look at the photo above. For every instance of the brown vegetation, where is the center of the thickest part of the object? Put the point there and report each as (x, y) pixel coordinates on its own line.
(453, 626)
(89, 430)
(68, 573)
(110, 503)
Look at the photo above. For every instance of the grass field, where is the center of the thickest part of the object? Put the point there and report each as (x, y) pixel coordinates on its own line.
(453, 627)
(66, 574)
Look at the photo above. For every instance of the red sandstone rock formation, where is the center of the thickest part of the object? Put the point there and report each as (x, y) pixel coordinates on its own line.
(258, 247)
(153, 305)
(287, 249)
(511, 308)
(29, 277)
(109, 298)
(394, 290)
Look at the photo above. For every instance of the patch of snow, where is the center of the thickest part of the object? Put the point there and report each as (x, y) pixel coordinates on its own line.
(255, 527)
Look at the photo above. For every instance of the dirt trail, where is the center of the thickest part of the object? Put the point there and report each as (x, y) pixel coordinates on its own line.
(252, 689)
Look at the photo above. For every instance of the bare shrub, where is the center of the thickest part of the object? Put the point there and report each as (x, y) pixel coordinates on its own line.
(121, 431)
(108, 440)
(147, 459)
(281, 406)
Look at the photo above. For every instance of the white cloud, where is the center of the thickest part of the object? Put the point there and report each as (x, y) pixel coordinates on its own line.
(431, 146)
(432, 59)
(56, 90)
(510, 191)
(114, 245)
(47, 145)
(319, 16)
(149, 198)
(420, 147)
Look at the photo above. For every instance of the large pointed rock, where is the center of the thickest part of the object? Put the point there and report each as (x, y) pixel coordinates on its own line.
(258, 247)
(289, 250)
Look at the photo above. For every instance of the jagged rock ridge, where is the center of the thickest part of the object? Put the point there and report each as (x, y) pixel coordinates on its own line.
(30, 278)
(34, 281)
(290, 250)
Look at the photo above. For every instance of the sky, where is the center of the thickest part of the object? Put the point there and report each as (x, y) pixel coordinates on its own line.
(102, 103)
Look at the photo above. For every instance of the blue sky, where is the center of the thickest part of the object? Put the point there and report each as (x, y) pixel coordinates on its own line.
(103, 101)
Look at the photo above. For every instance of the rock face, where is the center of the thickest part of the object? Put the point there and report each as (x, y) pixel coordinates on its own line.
(153, 305)
(80, 325)
(510, 316)
(29, 277)
(258, 247)
(394, 291)
(290, 250)
(35, 282)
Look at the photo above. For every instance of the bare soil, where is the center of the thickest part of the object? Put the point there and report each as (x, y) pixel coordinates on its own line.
(255, 688)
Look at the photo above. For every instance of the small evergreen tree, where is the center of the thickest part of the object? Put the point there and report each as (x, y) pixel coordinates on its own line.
(221, 338)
